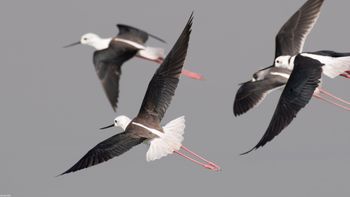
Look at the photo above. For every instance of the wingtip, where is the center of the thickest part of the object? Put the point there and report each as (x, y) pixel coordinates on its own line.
(71, 170)
(261, 143)
(236, 114)
(247, 152)
(114, 106)
(188, 27)
(61, 174)
(190, 20)
(237, 109)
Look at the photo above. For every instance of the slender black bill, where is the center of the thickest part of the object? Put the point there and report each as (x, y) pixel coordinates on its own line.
(73, 44)
(109, 126)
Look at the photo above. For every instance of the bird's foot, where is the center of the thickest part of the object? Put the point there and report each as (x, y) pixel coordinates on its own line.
(212, 167)
(346, 74)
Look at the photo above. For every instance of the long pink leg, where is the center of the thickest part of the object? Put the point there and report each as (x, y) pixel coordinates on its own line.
(331, 102)
(200, 157)
(334, 97)
(192, 75)
(208, 166)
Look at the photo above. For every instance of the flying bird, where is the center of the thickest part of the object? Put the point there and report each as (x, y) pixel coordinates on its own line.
(302, 84)
(289, 41)
(111, 53)
(145, 127)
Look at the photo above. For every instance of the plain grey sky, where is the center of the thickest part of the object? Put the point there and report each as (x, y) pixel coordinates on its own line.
(52, 103)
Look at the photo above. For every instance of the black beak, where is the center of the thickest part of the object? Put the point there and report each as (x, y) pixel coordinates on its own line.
(109, 126)
(73, 44)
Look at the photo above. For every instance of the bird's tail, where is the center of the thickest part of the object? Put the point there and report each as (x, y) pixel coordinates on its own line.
(170, 141)
(152, 53)
(337, 66)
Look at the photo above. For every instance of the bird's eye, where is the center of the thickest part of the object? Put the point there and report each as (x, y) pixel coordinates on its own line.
(277, 61)
(115, 121)
(84, 38)
(255, 76)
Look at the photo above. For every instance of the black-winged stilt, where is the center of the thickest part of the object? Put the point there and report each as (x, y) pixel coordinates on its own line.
(145, 127)
(289, 41)
(302, 84)
(111, 53)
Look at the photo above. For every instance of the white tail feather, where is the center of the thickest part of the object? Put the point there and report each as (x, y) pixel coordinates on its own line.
(169, 142)
(337, 67)
(151, 53)
(333, 66)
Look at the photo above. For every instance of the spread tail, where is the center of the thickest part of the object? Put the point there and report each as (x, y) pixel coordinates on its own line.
(337, 66)
(169, 142)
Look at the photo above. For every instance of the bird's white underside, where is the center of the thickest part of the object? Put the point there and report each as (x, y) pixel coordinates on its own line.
(101, 44)
(151, 53)
(333, 66)
(167, 142)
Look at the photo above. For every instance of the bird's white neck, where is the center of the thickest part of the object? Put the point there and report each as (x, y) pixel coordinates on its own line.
(122, 121)
(100, 43)
(285, 62)
(290, 64)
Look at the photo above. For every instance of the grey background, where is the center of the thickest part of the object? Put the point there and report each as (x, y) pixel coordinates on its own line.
(52, 103)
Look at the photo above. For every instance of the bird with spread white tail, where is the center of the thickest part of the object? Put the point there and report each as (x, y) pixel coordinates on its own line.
(145, 127)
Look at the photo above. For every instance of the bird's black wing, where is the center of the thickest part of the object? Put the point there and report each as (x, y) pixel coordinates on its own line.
(106, 150)
(251, 93)
(134, 34)
(108, 64)
(165, 80)
(299, 89)
(291, 37)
